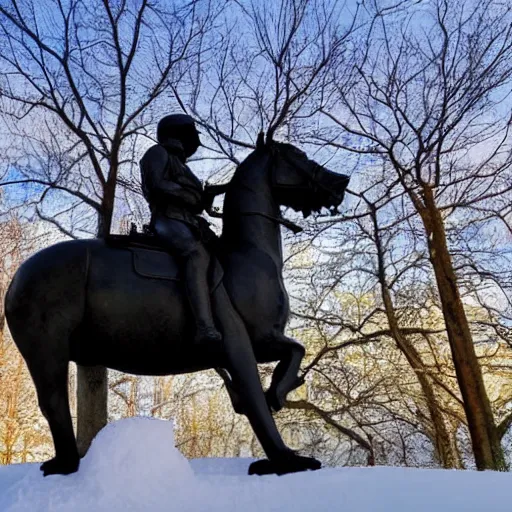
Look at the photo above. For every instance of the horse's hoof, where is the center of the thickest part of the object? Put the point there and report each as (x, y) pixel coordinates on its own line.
(58, 466)
(276, 397)
(237, 406)
(274, 402)
(289, 464)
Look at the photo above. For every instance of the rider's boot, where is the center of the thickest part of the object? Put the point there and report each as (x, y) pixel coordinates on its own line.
(198, 292)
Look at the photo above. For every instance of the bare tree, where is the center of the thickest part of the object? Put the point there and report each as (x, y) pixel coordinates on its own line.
(80, 81)
(429, 96)
(277, 77)
(269, 71)
(19, 413)
(364, 298)
(412, 96)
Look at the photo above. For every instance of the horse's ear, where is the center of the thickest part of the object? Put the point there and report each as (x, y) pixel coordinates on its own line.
(260, 141)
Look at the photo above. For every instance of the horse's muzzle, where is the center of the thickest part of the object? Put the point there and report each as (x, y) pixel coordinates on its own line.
(332, 185)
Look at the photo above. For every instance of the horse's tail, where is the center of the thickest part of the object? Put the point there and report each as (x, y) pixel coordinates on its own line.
(45, 300)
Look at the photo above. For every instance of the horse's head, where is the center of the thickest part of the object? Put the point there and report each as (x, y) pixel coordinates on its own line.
(301, 183)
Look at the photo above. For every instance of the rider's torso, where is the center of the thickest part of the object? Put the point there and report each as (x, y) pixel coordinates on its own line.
(178, 172)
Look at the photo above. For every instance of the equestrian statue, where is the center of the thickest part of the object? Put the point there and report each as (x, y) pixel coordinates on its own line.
(177, 299)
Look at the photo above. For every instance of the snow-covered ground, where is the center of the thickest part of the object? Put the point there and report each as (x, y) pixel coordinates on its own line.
(133, 466)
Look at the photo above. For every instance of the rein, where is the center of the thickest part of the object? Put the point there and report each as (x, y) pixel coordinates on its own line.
(279, 220)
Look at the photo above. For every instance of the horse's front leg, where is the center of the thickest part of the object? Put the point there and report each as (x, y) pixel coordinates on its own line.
(285, 376)
(242, 367)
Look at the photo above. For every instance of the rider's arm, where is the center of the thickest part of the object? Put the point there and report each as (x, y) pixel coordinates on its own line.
(210, 192)
(216, 190)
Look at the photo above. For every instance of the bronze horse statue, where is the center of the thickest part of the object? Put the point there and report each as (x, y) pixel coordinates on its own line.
(122, 305)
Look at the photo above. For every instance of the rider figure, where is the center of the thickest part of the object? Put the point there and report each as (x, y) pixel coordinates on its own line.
(176, 199)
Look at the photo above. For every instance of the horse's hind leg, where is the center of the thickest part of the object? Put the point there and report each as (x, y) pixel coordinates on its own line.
(51, 382)
(233, 393)
(44, 305)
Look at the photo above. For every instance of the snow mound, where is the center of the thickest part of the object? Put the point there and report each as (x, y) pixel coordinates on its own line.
(131, 462)
(133, 466)
(138, 456)
(137, 450)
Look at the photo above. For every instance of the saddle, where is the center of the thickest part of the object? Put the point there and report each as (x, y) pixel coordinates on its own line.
(146, 240)
(151, 260)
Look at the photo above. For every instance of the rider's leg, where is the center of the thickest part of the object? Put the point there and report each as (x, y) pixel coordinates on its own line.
(196, 266)
(179, 239)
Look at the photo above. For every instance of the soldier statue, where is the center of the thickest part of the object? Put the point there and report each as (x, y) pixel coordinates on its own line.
(176, 199)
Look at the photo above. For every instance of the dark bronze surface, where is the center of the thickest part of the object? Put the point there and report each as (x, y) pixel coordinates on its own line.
(82, 301)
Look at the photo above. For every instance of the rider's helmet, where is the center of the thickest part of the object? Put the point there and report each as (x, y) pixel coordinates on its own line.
(181, 127)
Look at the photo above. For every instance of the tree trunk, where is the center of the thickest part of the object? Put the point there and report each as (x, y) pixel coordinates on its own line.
(91, 409)
(92, 382)
(441, 437)
(445, 449)
(484, 434)
(2, 313)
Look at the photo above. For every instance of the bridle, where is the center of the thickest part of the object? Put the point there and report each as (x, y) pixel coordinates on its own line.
(311, 184)
(279, 220)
